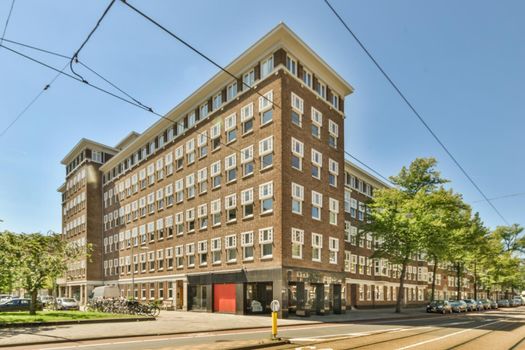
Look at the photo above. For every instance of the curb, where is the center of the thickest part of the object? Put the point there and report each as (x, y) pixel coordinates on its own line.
(75, 322)
(57, 341)
(261, 345)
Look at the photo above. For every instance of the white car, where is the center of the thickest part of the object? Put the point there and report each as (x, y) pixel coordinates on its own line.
(518, 301)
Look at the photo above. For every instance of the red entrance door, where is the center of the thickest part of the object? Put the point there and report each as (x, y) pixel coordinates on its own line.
(224, 298)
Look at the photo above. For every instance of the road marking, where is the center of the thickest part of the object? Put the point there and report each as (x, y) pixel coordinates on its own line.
(354, 335)
(445, 336)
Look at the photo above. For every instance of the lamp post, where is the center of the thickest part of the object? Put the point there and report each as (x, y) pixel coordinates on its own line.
(133, 269)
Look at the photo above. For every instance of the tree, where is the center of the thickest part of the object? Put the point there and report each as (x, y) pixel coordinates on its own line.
(398, 216)
(9, 260)
(510, 237)
(445, 211)
(36, 258)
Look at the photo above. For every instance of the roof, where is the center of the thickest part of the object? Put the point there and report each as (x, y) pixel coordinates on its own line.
(279, 37)
(83, 143)
(129, 138)
(367, 173)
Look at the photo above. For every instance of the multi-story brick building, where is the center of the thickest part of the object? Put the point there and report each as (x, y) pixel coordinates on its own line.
(238, 196)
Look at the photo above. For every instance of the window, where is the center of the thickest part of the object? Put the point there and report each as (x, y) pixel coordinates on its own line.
(291, 65)
(202, 179)
(317, 204)
(347, 263)
(347, 200)
(190, 185)
(297, 198)
(247, 203)
(151, 260)
(160, 259)
(334, 210)
(202, 249)
(150, 171)
(190, 151)
(216, 212)
(353, 208)
(96, 156)
(297, 243)
(168, 192)
(179, 223)
(215, 172)
(230, 126)
(230, 204)
(142, 206)
(215, 135)
(321, 89)
(266, 67)
(266, 152)
(160, 170)
(266, 242)
(151, 202)
(217, 101)
(202, 144)
(230, 244)
(191, 119)
(317, 123)
(160, 229)
(266, 197)
(179, 256)
(190, 254)
(247, 118)
(265, 107)
(307, 78)
(179, 157)
(317, 245)
(333, 247)
(215, 250)
(247, 245)
(203, 111)
(202, 215)
(230, 165)
(347, 231)
(333, 172)
(231, 91)
(179, 190)
(297, 154)
(168, 164)
(361, 212)
(168, 221)
(297, 110)
(335, 101)
(190, 219)
(333, 133)
(248, 79)
(151, 231)
(361, 265)
(317, 163)
(247, 161)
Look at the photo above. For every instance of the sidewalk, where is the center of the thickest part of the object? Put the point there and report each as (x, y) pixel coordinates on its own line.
(176, 322)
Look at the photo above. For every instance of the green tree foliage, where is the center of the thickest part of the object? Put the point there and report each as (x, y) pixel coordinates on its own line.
(34, 259)
(399, 216)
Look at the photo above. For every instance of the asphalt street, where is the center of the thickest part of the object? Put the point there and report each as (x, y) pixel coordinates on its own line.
(502, 329)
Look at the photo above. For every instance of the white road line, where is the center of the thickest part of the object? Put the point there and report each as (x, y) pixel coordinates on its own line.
(445, 336)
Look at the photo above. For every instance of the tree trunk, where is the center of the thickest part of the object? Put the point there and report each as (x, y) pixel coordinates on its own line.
(401, 291)
(32, 307)
(432, 295)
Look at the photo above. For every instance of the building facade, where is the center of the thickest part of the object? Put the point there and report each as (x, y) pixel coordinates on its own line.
(238, 196)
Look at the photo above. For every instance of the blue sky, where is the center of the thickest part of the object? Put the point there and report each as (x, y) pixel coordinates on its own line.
(460, 63)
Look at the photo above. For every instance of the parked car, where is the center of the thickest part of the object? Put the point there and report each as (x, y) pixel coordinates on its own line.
(471, 304)
(517, 300)
(47, 300)
(503, 303)
(479, 305)
(67, 304)
(513, 303)
(493, 304)
(105, 292)
(486, 303)
(440, 306)
(458, 306)
(18, 305)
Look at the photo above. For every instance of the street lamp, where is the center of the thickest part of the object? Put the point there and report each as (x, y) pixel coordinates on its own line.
(133, 269)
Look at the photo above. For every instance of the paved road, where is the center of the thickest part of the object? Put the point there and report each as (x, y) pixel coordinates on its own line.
(490, 330)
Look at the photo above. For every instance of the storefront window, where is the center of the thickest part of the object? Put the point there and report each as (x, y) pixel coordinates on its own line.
(198, 295)
(258, 297)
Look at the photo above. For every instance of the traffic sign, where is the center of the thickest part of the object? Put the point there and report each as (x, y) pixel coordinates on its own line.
(274, 305)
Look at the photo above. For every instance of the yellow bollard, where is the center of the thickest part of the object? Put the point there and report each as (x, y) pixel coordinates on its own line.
(274, 325)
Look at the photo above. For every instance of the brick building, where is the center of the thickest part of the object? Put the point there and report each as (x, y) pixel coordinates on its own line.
(239, 196)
